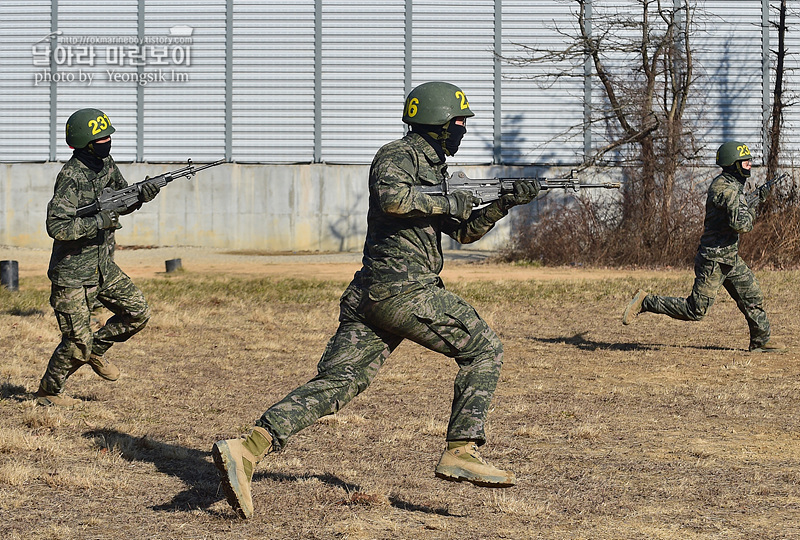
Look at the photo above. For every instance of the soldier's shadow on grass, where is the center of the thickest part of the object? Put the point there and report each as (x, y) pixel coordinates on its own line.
(24, 312)
(581, 342)
(334, 481)
(191, 466)
(14, 391)
(195, 470)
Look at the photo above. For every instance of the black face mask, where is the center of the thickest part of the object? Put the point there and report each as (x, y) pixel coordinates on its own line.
(86, 157)
(447, 138)
(738, 171)
(101, 150)
(744, 172)
(451, 138)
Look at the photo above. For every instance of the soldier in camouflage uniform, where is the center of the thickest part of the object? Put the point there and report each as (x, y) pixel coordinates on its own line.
(399, 295)
(717, 263)
(82, 270)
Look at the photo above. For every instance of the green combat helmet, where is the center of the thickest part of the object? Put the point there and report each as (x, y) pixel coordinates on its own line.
(730, 156)
(87, 125)
(435, 104)
(731, 152)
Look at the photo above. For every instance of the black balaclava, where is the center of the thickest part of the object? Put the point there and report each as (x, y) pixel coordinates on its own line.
(92, 154)
(447, 137)
(101, 150)
(738, 171)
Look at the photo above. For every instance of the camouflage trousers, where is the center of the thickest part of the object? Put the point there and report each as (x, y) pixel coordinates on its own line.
(710, 276)
(369, 331)
(72, 308)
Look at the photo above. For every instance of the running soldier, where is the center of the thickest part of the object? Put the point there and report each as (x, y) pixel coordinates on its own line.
(82, 270)
(399, 295)
(717, 263)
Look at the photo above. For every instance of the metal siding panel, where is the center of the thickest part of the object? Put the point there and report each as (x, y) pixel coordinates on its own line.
(456, 44)
(187, 119)
(362, 74)
(273, 81)
(24, 106)
(362, 78)
(117, 100)
(536, 112)
(728, 53)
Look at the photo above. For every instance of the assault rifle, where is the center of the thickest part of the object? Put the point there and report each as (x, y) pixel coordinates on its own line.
(754, 196)
(488, 190)
(123, 199)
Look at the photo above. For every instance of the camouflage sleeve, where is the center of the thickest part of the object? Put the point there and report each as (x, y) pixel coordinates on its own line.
(117, 180)
(732, 199)
(479, 223)
(393, 176)
(62, 223)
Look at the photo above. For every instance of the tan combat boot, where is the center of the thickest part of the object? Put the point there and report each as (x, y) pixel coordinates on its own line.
(103, 367)
(634, 307)
(48, 400)
(771, 346)
(235, 459)
(99, 365)
(461, 461)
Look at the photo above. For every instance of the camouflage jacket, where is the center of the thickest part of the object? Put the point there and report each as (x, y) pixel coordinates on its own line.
(81, 251)
(727, 215)
(403, 247)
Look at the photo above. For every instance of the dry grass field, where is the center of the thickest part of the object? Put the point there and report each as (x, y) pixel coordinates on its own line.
(659, 430)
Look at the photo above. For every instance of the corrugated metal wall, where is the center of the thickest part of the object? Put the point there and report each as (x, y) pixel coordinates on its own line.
(273, 81)
(362, 77)
(82, 20)
(728, 58)
(24, 106)
(536, 111)
(303, 81)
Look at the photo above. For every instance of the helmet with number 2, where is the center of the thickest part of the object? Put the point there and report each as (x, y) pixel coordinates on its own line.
(731, 152)
(435, 104)
(87, 125)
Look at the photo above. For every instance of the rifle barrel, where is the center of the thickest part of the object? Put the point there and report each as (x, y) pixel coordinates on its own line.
(207, 165)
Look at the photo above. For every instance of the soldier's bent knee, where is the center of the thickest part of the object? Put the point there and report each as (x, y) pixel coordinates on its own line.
(696, 313)
(139, 320)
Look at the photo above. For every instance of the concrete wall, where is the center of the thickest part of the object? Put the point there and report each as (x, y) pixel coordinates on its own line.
(309, 207)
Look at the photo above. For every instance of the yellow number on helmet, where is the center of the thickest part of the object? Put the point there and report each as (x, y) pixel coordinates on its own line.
(464, 103)
(411, 107)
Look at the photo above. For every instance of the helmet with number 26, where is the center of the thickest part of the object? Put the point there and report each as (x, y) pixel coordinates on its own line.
(87, 125)
(435, 104)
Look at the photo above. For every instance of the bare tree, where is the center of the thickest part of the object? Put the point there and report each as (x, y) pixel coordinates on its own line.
(776, 117)
(775, 240)
(642, 61)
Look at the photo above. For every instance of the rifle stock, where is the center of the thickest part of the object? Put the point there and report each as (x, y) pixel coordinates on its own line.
(123, 199)
(490, 189)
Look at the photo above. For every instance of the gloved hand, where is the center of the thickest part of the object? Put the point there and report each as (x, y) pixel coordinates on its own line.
(148, 191)
(107, 219)
(763, 193)
(524, 192)
(460, 204)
